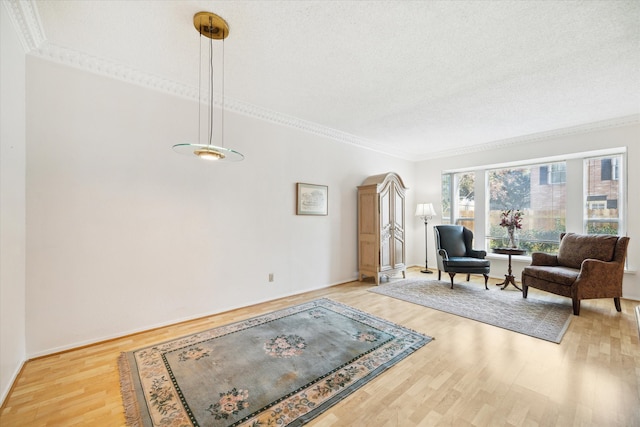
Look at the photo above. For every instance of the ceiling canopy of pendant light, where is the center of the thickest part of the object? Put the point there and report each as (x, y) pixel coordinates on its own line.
(215, 28)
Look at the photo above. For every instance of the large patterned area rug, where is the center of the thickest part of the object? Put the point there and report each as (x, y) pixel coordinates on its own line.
(534, 316)
(279, 369)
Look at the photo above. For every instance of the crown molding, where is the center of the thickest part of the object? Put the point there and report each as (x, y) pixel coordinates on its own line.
(131, 75)
(629, 120)
(112, 69)
(26, 20)
(275, 117)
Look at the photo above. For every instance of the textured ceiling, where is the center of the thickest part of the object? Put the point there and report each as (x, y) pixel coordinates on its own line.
(416, 79)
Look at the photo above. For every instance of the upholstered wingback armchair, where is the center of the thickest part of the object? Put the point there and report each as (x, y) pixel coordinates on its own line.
(586, 267)
(455, 254)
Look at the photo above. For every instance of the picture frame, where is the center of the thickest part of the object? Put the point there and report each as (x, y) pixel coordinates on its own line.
(312, 199)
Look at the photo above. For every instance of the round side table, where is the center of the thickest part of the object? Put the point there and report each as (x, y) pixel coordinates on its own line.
(509, 278)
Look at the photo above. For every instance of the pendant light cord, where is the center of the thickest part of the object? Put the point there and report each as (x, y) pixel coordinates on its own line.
(200, 90)
(222, 124)
(211, 76)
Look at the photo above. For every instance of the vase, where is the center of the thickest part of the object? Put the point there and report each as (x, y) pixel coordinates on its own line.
(511, 238)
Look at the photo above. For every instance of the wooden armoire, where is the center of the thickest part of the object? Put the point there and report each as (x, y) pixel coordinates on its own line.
(381, 227)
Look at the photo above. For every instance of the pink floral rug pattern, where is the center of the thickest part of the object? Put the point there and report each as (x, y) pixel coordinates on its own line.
(283, 368)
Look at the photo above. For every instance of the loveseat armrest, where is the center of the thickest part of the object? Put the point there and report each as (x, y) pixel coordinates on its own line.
(600, 279)
(477, 253)
(540, 258)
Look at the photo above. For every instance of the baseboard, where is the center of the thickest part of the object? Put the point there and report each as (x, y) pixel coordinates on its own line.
(14, 378)
(149, 328)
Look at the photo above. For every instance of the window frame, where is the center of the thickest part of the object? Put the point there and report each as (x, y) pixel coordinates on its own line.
(574, 216)
(540, 232)
(615, 175)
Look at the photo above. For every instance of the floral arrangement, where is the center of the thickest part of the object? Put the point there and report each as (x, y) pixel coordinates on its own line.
(511, 218)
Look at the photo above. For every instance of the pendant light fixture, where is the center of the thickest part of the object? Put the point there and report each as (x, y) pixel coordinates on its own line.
(215, 28)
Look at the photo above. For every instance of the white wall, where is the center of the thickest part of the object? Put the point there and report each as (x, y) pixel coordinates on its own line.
(428, 182)
(124, 234)
(12, 204)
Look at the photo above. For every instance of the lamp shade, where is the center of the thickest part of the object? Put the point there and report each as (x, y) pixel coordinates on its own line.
(425, 210)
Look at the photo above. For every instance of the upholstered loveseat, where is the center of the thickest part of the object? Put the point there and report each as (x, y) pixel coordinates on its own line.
(586, 267)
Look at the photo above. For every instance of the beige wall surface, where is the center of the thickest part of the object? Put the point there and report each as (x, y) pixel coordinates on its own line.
(125, 234)
(12, 204)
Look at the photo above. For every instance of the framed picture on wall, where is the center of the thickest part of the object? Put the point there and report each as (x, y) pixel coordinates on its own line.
(312, 199)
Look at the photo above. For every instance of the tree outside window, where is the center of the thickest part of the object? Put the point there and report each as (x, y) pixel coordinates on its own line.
(526, 189)
(458, 204)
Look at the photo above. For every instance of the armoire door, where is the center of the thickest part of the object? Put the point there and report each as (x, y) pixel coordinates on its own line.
(398, 228)
(386, 229)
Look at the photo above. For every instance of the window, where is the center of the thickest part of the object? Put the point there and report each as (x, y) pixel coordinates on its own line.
(615, 167)
(540, 190)
(609, 168)
(555, 173)
(525, 189)
(596, 202)
(446, 198)
(458, 205)
(603, 190)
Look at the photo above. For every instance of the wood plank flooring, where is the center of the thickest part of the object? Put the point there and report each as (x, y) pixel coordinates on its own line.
(472, 374)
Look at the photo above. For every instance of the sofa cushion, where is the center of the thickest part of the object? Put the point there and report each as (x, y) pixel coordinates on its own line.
(575, 248)
(560, 275)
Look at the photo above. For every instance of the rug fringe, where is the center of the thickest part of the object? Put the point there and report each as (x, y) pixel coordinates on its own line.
(399, 342)
(131, 409)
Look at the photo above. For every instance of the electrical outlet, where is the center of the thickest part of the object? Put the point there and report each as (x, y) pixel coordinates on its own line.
(271, 277)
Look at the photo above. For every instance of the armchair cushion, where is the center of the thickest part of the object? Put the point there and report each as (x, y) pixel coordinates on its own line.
(466, 263)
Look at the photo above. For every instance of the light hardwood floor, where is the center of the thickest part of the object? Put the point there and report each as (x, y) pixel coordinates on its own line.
(472, 374)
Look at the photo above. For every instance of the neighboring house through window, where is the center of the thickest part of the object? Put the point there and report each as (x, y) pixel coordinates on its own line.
(603, 191)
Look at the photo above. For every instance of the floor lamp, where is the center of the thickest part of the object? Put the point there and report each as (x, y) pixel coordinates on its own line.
(426, 212)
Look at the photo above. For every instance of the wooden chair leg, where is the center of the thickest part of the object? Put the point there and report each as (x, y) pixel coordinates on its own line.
(576, 307)
(439, 274)
(451, 275)
(616, 301)
(486, 278)
(468, 276)
(525, 290)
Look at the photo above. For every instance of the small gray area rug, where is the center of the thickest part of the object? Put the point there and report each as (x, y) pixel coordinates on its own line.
(536, 317)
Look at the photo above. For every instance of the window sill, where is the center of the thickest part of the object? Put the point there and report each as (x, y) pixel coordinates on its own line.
(527, 259)
(520, 258)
